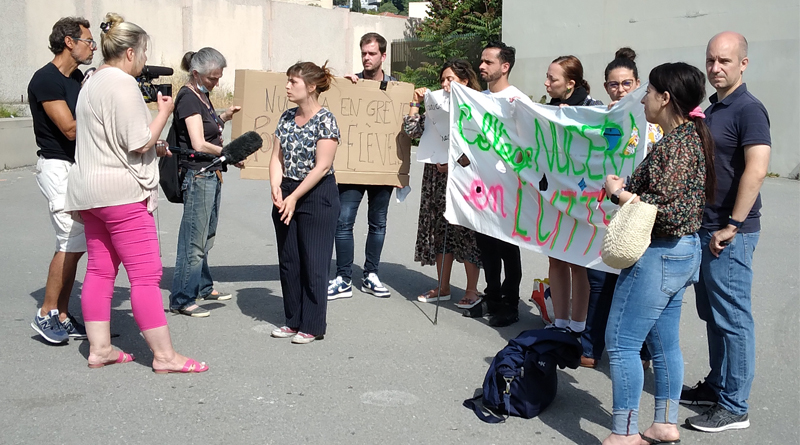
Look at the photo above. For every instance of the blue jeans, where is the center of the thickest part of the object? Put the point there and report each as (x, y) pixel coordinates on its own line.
(601, 293)
(192, 278)
(647, 305)
(350, 196)
(723, 302)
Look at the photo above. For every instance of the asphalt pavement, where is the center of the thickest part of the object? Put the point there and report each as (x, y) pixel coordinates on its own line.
(384, 374)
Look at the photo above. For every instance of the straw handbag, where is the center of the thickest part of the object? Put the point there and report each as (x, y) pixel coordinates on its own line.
(628, 234)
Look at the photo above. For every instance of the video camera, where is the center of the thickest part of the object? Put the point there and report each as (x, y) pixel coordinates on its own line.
(149, 74)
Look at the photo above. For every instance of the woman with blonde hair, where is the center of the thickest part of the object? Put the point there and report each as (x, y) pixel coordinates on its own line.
(114, 189)
(306, 202)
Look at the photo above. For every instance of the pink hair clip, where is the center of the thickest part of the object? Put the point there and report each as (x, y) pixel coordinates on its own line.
(697, 112)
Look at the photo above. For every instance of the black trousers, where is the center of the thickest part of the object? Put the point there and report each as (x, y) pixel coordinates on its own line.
(497, 255)
(305, 249)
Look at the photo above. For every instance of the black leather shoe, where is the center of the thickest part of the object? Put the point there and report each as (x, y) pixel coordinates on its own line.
(504, 317)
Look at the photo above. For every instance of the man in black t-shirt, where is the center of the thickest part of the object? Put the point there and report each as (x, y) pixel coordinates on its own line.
(52, 95)
(739, 125)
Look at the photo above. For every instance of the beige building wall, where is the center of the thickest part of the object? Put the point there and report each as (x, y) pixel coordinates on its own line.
(667, 32)
(252, 34)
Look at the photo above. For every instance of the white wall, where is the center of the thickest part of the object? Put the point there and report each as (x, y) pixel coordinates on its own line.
(418, 10)
(252, 34)
(667, 32)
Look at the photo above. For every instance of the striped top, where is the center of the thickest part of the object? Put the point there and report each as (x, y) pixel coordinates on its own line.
(112, 121)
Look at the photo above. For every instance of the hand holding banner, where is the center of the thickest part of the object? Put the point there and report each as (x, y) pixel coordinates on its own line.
(537, 171)
(435, 140)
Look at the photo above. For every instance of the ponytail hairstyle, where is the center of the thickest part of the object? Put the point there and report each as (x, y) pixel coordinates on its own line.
(463, 70)
(118, 35)
(573, 70)
(623, 58)
(686, 87)
(312, 75)
(203, 61)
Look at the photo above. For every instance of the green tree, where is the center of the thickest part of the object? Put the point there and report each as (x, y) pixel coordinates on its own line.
(453, 29)
(388, 7)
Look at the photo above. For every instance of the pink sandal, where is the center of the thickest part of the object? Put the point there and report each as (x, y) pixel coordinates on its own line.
(190, 367)
(124, 357)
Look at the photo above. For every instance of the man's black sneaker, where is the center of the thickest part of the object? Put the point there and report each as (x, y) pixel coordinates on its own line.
(504, 317)
(700, 394)
(74, 328)
(717, 419)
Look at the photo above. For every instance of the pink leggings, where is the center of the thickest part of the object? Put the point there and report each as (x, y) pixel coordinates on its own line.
(123, 233)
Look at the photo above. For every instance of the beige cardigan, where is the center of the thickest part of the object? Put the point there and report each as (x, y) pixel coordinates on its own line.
(112, 120)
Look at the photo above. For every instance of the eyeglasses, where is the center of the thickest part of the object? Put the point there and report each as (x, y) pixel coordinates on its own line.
(92, 44)
(626, 84)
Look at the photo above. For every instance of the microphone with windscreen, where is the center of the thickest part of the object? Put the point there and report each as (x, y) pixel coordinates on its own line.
(238, 150)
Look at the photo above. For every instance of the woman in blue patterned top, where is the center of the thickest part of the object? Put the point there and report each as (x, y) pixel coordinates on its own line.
(306, 201)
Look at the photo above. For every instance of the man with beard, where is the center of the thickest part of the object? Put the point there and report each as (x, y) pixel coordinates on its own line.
(373, 53)
(502, 299)
(52, 95)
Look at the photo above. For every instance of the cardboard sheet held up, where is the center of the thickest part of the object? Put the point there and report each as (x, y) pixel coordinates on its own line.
(373, 149)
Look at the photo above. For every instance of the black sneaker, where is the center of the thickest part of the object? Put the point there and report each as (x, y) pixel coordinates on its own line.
(504, 317)
(74, 328)
(700, 394)
(717, 419)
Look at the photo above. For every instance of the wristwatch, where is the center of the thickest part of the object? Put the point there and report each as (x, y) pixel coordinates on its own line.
(734, 223)
(615, 196)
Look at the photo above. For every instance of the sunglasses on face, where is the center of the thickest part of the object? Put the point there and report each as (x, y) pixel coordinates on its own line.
(626, 84)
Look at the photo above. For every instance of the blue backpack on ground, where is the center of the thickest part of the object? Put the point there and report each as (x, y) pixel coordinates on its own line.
(522, 379)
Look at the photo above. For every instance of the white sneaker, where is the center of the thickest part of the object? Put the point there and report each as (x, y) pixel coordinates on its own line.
(339, 289)
(372, 284)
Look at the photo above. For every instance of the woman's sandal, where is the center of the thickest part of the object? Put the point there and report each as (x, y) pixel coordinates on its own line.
(432, 296)
(190, 367)
(124, 357)
(652, 441)
(466, 303)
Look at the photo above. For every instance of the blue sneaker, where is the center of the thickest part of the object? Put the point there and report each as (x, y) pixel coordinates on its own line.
(372, 284)
(338, 288)
(74, 328)
(50, 328)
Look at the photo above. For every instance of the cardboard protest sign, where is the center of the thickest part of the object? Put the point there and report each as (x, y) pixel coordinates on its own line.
(536, 171)
(373, 148)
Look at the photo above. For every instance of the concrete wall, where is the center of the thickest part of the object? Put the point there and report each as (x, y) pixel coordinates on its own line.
(659, 32)
(17, 144)
(252, 34)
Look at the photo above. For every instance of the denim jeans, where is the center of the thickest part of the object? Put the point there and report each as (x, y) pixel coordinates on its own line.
(601, 293)
(350, 196)
(192, 278)
(647, 305)
(723, 302)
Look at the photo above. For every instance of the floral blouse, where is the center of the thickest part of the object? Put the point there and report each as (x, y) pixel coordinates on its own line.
(413, 126)
(673, 177)
(299, 143)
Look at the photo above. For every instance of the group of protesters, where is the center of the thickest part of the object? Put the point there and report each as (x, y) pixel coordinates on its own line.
(98, 149)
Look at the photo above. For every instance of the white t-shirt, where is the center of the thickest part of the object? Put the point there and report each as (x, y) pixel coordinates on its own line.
(112, 120)
(511, 93)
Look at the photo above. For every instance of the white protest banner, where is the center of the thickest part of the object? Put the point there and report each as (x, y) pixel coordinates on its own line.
(435, 140)
(536, 171)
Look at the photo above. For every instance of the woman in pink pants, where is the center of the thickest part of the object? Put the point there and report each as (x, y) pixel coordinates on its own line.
(114, 188)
